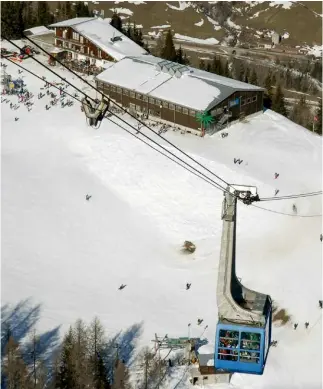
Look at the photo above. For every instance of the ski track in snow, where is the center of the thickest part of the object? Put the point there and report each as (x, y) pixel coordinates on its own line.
(71, 255)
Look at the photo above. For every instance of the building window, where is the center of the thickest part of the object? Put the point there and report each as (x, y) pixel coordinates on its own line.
(151, 100)
(254, 98)
(82, 49)
(119, 90)
(113, 88)
(165, 105)
(132, 107)
(192, 113)
(157, 102)
(145, 98)
(248, 100)
(185, 111)
(243, 102)
(125, 92)
(138, 96)
(81, 39)
(178, 108)
(99, 54)
(76, 36)
(171, 107)
(132, 94)
(100, 84)
(138, 108)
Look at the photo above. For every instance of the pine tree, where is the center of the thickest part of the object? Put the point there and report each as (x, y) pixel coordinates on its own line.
(44, 17)
(14, 370)
(179, 55)
(202, 64)
(116, 22)
(29, 15)
(68, 10)
(279, 102)
(81, 10)
(13, 13)
(65, 377)
(253, 78)
(169, 52)
(247, 76)
(83, 371)
(318, 123)
(208, 67)
(241, 71)
(160, 43)
(216, 66)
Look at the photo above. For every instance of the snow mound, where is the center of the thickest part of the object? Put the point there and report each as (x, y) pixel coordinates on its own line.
(207, 41)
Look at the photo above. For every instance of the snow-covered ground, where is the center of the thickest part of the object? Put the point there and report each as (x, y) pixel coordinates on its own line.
(207, 41)
(71, 255)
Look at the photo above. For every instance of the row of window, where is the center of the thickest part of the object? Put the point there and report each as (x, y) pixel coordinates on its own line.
(239, 346)
(147, 99)
(248, 100)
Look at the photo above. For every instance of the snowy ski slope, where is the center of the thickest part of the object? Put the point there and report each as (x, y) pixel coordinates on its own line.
(71, 255)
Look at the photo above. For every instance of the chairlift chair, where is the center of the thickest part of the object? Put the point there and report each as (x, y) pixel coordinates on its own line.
(95, 112)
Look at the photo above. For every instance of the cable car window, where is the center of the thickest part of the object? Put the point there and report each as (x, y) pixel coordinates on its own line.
(229, 338)
(250, 341)
(248, 356)
(227, 354)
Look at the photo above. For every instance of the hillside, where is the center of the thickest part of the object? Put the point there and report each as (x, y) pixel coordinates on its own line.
(71, 255)
(300, 23)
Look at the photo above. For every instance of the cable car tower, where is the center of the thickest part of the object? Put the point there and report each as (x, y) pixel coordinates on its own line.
(243, 333)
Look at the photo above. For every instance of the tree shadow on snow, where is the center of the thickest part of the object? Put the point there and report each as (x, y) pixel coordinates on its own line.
(18, 321)
(122, 345)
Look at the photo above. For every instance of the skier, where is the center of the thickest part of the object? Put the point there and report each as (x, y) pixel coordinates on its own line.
(188, 286)
(295, 326)
(321, 303)
(87, 197)
(276, 192)
(307, 324)
(294, 209)
(16, 119)
(321, 237)
(276, 175)
(199, 321)
(122, 286)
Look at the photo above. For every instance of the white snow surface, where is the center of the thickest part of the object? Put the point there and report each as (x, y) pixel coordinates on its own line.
(207, 41)
(71, 255)
(285, 4)
(125, 11)
(216, 25)
(285, 35)
(163, 26)
(315, 50)
(181, 5)
(40, 30)
(200, 23)
(232, 24)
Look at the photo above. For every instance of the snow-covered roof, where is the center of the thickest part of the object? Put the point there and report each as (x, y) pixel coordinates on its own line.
(195, 89)
(40, 30)
(71, 22)
(100, 32)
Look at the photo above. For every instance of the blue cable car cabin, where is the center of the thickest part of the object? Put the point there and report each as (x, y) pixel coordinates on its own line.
(243, 334)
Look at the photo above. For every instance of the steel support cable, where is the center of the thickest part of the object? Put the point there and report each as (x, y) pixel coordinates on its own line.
(287, 197)
(282, 213)
(207, 179)
(117, 105)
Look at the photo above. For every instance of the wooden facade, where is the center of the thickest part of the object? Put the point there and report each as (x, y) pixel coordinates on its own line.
(67, 37)
(248, 102)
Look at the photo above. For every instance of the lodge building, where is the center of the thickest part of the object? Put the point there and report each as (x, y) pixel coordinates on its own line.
(94, 39)
(174, 94)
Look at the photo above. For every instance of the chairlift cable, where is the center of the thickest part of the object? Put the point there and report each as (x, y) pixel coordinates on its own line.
(207, 179)
(116, 104)
(287, 197)
(198, 174)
